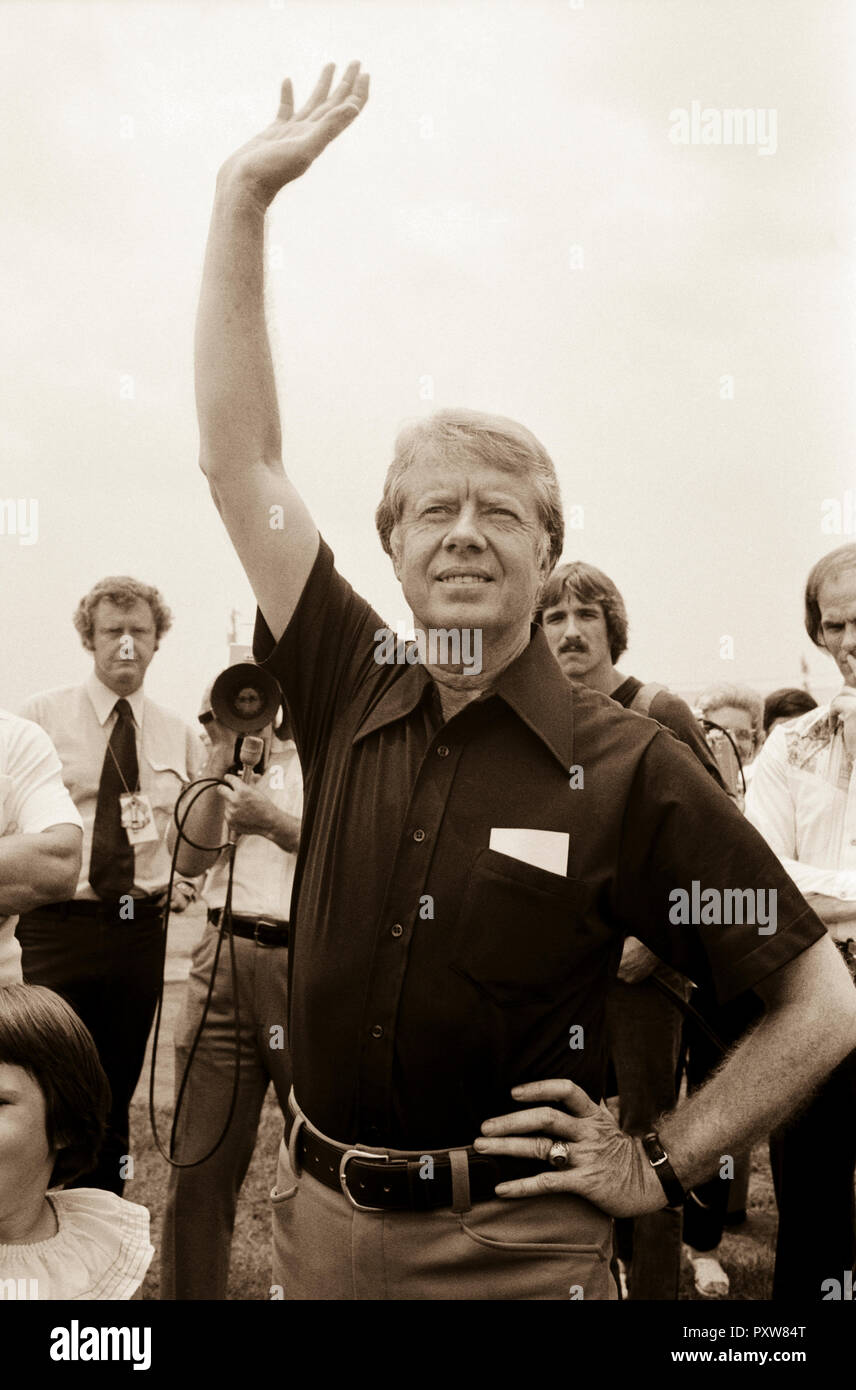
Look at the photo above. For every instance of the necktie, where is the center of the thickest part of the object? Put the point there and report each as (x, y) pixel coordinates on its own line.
(111, 866)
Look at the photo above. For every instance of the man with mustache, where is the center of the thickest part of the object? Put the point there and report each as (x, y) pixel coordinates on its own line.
(475, 849)
(584, 619)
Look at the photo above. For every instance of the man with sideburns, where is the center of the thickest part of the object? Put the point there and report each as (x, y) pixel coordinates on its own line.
(475, 849)
(584, 619)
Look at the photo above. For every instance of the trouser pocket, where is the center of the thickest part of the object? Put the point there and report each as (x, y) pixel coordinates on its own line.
(553, 1246)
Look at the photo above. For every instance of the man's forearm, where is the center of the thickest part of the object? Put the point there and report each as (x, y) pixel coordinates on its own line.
(766, 1078)
(235, 386)
(827, 883)
(284, 831)
(34, 871)
(205, 824)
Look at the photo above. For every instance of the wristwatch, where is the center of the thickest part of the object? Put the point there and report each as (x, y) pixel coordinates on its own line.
(659, 1161)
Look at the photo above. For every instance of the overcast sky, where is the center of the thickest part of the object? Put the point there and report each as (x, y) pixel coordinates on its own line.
(507, 226)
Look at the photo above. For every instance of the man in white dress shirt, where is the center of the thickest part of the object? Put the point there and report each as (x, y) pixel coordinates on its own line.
(264, 821)
(124, 761)
(803, 800)
(40, 832)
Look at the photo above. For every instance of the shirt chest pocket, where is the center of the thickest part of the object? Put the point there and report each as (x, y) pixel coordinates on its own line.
(163, 781)
(523, 932)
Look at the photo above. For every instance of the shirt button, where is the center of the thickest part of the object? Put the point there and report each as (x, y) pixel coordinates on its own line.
(377, 1031)
(397, 929)
(442, 751)
(419, 836)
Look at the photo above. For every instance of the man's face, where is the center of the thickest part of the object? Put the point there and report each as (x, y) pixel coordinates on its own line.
(248, 702)
(577, 633)
(836, 600)
(124, 643)
(738, 722)
(467, 547)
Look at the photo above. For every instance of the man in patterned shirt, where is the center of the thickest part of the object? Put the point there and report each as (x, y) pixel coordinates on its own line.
(803, 800)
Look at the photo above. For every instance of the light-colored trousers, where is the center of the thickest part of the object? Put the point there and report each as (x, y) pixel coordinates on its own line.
(201, 1202)
(546, 1247)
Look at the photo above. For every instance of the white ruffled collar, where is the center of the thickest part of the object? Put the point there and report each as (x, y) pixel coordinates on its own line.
(101, 1249)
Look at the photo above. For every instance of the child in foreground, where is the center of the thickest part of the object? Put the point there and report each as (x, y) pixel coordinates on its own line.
(84, 1243)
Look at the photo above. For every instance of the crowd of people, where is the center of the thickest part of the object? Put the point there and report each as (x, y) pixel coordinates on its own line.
(466, 906)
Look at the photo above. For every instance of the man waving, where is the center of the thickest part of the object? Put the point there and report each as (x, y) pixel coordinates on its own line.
(476, 846)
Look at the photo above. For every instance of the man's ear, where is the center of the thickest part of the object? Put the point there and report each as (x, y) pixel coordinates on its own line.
(544, 561)
(395, 553)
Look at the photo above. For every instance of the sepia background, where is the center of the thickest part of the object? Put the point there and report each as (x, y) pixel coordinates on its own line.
(508, 226)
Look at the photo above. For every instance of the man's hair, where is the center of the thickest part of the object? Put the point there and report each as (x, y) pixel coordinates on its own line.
(844, 558)
(467, 435)
(738, 697)
(42, 1034)
(787, 703)
(124, 592)
(590, 585)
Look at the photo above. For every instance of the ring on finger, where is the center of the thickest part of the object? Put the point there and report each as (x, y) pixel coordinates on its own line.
(559, 1155)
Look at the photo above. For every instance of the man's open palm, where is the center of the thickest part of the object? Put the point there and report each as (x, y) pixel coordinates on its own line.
(286, 148)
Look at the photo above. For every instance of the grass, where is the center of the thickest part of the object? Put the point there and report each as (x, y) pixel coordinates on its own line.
(747, 1252)
(249, 1274)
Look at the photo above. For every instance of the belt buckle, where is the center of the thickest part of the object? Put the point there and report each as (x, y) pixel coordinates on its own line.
(263, 922)
(343, 1175)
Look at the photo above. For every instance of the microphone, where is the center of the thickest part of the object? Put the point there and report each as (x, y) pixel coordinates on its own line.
(252, 748)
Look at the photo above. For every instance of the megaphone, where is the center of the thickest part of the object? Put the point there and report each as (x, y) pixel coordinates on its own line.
(245, 698)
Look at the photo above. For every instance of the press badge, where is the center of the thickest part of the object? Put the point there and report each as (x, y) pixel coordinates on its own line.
(137, 818)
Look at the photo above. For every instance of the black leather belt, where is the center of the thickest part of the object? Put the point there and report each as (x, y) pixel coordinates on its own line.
(143, 909)
(265, 931)
(400, 1184)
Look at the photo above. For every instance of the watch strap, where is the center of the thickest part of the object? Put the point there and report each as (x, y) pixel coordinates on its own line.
(659, 1161)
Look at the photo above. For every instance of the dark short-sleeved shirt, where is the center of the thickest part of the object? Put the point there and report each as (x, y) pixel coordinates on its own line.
(675, 714)
(432, 972)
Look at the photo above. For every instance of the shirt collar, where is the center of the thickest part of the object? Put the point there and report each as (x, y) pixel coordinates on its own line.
(104, 700)
(398, 700)
(534, 686)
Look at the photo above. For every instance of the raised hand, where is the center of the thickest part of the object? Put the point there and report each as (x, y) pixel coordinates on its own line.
(285, 150)
(844, 705)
